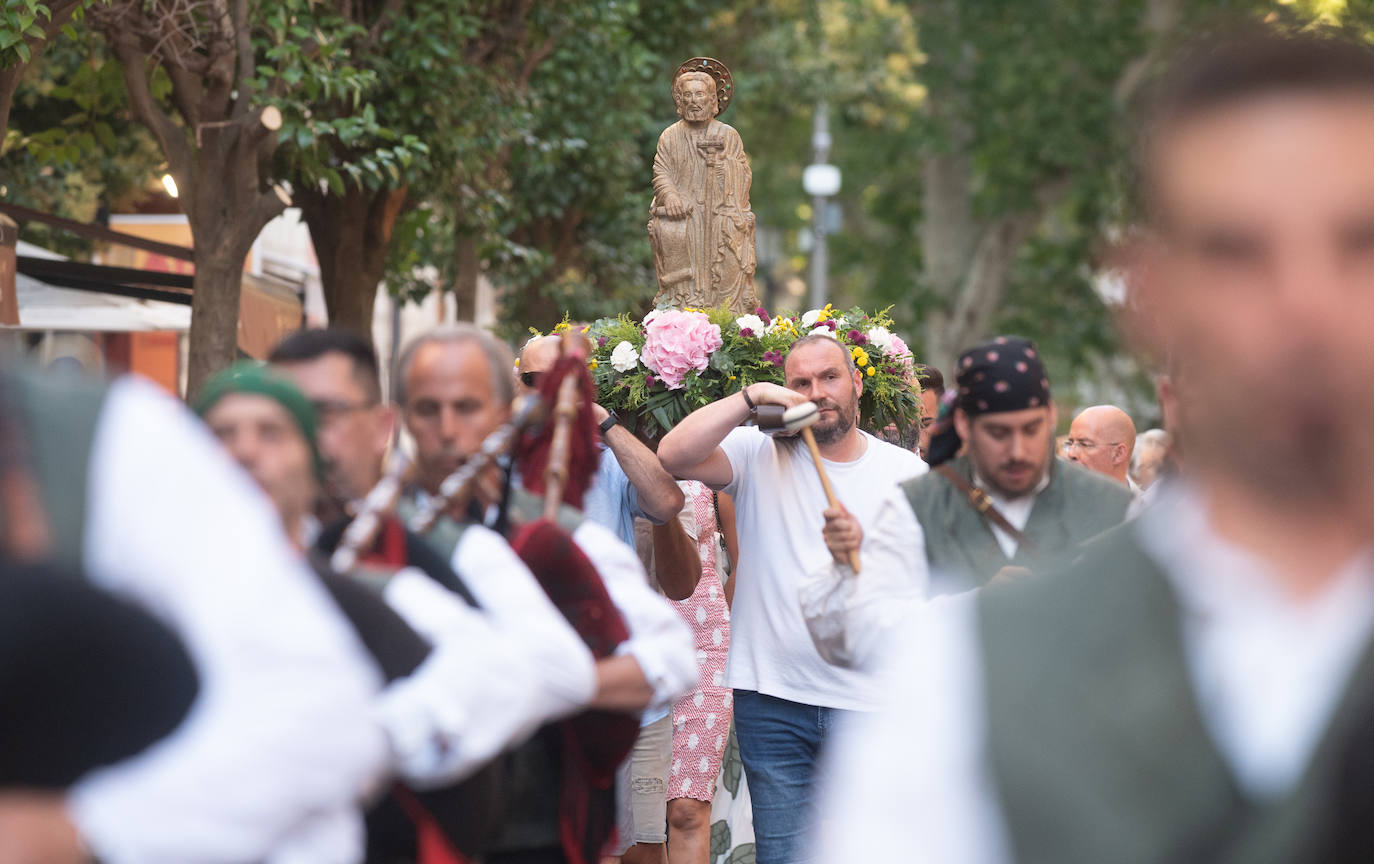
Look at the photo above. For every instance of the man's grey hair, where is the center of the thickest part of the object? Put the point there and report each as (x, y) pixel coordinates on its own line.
(814, 338)
(499, 358)
(1146, 442)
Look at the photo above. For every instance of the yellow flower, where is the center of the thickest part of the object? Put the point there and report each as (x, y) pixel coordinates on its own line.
(592, 365)
(860, 357)
(585, 329)
(870, 371)
(561, 326)
(826, 314)
(732, 377)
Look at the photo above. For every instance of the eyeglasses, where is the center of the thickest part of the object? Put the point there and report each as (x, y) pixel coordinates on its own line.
(530, 379)
(329, 409)
(1083, 444)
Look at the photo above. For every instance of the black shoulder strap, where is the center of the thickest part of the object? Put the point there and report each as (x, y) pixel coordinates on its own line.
(979, 501)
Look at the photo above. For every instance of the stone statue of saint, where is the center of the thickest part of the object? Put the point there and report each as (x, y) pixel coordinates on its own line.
(700, 224)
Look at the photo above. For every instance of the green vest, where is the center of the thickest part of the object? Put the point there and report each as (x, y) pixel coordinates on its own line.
(1097, 746)
(960, 547)
(59, 413)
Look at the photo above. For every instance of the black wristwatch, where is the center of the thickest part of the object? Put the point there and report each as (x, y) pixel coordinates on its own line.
(610, 421)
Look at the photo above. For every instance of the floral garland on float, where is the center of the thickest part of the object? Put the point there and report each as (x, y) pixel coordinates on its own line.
(674, 361)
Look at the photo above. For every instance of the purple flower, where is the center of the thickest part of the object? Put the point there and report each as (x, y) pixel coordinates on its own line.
(601, 343)
(763, 313)
(649, 381)
(772, 357)
(746, 331)
(857, 338)
(830, 322)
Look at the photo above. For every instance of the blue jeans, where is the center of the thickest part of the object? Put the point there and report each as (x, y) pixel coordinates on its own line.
(780, 744)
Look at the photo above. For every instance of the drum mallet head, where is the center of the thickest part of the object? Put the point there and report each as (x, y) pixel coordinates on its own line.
(799, 417)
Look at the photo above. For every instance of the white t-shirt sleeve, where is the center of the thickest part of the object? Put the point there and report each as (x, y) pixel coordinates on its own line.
(281, 742)
(924, 745)
(478, 693)
(848, 614)
(660, 642)
(741, 446)
(514, 603)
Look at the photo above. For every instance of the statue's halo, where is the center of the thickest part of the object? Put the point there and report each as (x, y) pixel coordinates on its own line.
(725, 84)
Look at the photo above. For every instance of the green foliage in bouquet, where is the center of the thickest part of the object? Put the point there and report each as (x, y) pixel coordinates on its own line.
(659, 370)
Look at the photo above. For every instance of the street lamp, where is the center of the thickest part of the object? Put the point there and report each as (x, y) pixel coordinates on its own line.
(821, 181)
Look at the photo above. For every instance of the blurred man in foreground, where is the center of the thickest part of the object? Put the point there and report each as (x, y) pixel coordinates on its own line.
(1200, 685)
(279, 745)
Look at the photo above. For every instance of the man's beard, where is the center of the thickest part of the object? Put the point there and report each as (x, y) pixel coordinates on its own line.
(845, 417)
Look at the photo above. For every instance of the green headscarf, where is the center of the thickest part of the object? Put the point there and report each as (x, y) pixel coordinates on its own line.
(248, 376)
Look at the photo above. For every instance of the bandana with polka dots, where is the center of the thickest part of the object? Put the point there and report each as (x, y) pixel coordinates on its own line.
(1005, 374)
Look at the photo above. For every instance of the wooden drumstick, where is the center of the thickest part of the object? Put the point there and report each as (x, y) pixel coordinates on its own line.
(802, 417)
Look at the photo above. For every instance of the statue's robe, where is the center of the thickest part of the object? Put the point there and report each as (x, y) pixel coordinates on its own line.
(707, 258)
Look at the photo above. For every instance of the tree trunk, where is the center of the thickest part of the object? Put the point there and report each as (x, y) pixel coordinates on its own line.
(948, 235)
(226, 210)
(9, 82)
(214, 315)
(466, 269)
(352, 236)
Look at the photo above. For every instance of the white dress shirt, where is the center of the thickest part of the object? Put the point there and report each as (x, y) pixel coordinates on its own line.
(1016, 510)
(660, 642)
(849, 614)
(281, 742)
(1267, 671)
(489, 682)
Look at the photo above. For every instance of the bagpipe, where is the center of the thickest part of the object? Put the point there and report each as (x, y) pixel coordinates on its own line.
(555, 452)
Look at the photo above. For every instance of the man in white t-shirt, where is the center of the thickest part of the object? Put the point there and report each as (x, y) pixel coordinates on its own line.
(786, 695)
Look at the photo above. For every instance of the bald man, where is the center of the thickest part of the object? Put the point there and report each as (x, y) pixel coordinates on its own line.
(1101, 439)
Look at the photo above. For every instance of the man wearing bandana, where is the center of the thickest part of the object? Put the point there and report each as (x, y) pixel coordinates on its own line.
(1005, 417)
(1003, 507)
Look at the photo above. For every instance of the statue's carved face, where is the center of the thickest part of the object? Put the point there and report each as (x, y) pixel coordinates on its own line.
(695, 96)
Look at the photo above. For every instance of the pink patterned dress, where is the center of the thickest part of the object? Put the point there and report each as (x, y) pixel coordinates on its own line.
(701, 719)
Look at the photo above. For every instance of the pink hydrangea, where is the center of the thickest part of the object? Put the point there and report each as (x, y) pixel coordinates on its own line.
(677, 342)
(898, 349)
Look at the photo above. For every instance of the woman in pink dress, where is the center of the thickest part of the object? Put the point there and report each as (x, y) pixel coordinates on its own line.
(701, 719)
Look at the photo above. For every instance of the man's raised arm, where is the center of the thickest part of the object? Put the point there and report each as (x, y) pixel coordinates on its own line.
(692, 449)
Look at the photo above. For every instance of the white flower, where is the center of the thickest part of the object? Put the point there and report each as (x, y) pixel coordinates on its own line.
(651, 316)
(624, 358)
(752, 323)
(824, 331)
(880, 338)
(809, 319)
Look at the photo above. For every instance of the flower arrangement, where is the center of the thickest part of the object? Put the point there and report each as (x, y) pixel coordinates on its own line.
(676, 360)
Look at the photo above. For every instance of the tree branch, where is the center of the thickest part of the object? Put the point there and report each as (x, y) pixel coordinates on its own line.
(221, 69)
(389, 11)
(539, 55)
(187, 93)
(175, 145)
(265, 209)
(60, 13)
(1161, 18)
(243, 36)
